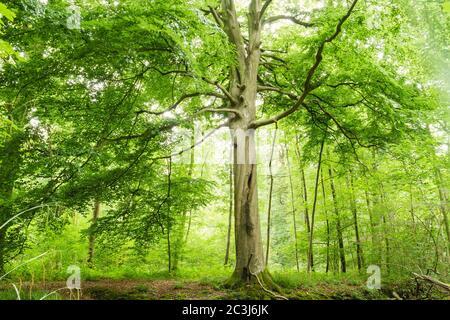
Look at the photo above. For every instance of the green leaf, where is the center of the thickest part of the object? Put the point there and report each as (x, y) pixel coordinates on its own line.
(446, 7)
(5, 12)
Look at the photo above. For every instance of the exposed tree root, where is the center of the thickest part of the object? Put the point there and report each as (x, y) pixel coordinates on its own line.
(267, 290)
(255, 280)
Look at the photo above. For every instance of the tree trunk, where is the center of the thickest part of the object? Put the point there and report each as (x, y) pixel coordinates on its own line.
(359, 252)
(338, 223)
(5, 214)
(242, 90)
(443, 205)
(313, 214)
(327, 268)
(230, 215)
(385, 231)
(249, 251)
(169, 224)
(269, 206)
(2, 249)
(293, 209)
(180, 233)
(305, 201)
(10, 160)
(304, 194)
(373, 232)
(411, 208)
(95, 215)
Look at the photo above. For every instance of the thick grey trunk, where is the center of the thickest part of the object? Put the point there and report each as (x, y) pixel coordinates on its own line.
(249, 251)
(243, 90)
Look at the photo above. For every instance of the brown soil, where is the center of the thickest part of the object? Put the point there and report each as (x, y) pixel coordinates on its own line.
(138, 290)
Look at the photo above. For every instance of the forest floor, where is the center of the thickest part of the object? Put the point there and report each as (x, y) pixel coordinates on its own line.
(171, 289)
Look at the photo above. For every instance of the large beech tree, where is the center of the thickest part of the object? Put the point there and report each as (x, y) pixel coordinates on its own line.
(337, 68)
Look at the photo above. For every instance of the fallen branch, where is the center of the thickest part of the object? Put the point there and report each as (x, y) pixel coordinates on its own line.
(436, 282)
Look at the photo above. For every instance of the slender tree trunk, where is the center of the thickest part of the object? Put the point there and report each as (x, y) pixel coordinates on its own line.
(2, 249)
(304, 194)
(5, 214)
(359, 251)
(202, 170)
(293, 209)
(327, 268)
(335, 257)
(411, 198)
(382, 234)
(230, 215)
(371, 221)
(169, 250)
(385, 232)
(313, 214)
(443, 205)
(386, 242)
(180, 233)
(338, 223)
(411, 208)
(95, 215)
(269, 207)
(169, 224)
(305, 201)
(189, 223)
(373, 233)
(188, 227)
(10, 160)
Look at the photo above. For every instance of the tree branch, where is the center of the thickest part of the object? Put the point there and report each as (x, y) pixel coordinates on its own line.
(180, 100)
(274, 57)
(218, 110)
(193, 145)
(341, 128)
(222, 88)
(290, 18)
(275, 89)
(216, 17)
(191, 75)
(264, 8)
(307, 88)
(233, 30)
